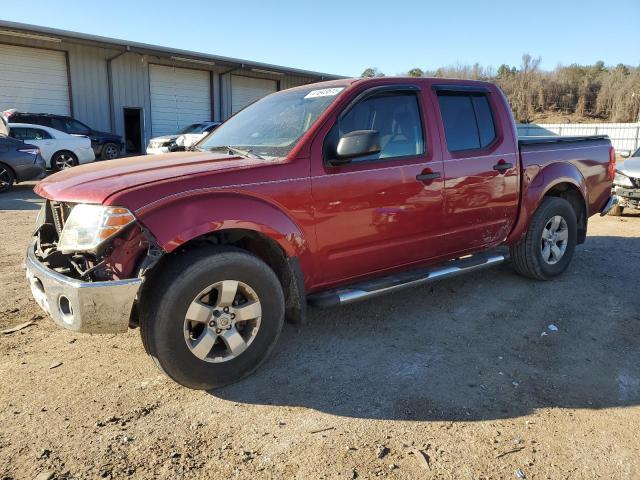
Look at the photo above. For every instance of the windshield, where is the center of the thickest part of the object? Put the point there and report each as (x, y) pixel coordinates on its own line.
(636, 153)
(272, 126)
(194, 128)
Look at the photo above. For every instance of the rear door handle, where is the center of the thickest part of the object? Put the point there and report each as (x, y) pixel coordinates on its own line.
(502, 166)
(424, 177)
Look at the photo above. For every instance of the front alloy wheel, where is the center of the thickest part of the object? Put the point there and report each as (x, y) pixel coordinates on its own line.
(6, 179)
(110, 151)
(222, 321)
(210, 316)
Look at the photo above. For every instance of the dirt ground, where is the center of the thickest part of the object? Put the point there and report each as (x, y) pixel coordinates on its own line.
(460, 380)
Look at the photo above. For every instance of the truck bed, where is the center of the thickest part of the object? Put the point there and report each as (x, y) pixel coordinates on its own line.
(544, 158)
(535, 140)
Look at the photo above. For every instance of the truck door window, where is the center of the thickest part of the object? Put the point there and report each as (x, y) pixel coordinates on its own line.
(468, 122)
(395, 116)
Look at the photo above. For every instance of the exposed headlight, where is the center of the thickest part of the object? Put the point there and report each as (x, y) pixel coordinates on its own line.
(90, 225)
(180, 141)
(622, 180)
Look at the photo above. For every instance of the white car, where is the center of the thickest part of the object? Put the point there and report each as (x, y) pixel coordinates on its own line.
(59, 150)
(185, 138)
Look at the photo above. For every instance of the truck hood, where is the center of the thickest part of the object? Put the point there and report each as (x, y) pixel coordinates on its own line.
(631, 167)
(95, 182)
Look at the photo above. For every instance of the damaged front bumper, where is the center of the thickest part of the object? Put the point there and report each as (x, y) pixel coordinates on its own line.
(87, 307)
(628, 197)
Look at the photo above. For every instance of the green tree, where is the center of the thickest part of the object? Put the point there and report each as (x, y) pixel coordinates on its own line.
(416, 72)
(372, 72)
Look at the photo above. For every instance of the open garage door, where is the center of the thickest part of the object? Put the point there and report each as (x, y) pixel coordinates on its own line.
(246, 90)
(179, 96)
(34, 80)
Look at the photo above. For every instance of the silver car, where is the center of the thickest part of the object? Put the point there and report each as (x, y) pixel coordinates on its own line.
(626, 184)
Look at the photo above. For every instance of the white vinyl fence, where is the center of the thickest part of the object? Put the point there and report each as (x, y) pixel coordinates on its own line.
(625, 137)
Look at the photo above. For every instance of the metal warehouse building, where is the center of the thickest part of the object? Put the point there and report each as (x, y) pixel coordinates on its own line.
(136, 90)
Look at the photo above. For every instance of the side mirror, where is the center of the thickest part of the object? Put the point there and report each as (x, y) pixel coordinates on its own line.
(357, 144)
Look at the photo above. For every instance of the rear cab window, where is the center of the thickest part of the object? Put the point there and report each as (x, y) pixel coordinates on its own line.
(468, 120)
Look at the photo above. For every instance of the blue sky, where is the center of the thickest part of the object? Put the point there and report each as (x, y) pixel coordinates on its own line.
(345, 37)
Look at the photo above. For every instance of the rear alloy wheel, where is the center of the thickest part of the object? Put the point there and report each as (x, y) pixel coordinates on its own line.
(555, 237)
(63, 160)
(7, 179)
(209, 317)
(110, 151)
(547, 248)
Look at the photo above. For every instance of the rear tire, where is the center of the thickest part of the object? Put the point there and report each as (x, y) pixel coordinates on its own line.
(547, 248)
(209, 352)
(616, 211)
(7, 178)
(63, 160)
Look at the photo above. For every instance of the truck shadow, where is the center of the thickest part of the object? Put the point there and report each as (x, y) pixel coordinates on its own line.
(472, 348)
(20, 197)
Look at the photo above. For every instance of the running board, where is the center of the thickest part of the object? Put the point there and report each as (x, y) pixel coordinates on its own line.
(380, 286)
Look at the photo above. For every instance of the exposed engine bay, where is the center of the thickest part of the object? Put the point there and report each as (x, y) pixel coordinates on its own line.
(129, 253)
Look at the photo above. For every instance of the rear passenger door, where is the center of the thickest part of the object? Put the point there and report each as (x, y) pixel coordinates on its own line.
(480, 168)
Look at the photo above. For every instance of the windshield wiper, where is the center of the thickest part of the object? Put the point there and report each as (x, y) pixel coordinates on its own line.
(238, 151)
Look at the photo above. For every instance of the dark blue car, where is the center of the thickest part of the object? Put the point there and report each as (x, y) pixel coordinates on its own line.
(19, 161)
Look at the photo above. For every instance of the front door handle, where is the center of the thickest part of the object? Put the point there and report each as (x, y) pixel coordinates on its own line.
(425, 177)
(502, 166)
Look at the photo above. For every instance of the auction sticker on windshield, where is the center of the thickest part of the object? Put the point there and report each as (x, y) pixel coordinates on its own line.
(324, 92)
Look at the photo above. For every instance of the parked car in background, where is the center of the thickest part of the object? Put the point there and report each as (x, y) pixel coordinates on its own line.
(324, 194)
(185, 138)
(106, 146)
(59, 150)
(18, 162)
(626, 184)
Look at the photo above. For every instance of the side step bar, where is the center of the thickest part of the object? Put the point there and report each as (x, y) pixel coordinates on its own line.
(380, 286)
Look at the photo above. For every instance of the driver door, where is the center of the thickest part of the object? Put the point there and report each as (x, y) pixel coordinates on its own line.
(382, 211)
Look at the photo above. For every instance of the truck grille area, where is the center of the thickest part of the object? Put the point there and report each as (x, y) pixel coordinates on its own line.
(57, 213)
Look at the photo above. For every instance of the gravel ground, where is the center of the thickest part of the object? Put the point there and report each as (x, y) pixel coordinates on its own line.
(462, 379)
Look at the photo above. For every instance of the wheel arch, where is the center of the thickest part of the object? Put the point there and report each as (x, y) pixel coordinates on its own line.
(559, 179)
(251, 224)
(572, 194)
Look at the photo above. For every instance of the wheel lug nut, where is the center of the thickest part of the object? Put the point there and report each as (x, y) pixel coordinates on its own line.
(226, 309)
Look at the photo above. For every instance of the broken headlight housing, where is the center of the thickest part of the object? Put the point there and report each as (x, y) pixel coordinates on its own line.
(89, 225)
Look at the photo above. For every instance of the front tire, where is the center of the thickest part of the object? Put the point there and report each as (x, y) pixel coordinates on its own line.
(211, 316)
(547, 248)
(7, 178)
(110, 151)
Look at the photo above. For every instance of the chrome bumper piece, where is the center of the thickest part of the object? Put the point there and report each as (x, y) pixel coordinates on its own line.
(87, 307)
(612, 202)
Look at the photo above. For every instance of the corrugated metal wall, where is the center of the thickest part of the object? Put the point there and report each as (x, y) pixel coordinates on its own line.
(89, 78)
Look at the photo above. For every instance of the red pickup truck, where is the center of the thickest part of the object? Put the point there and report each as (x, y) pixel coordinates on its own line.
(322, 194)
